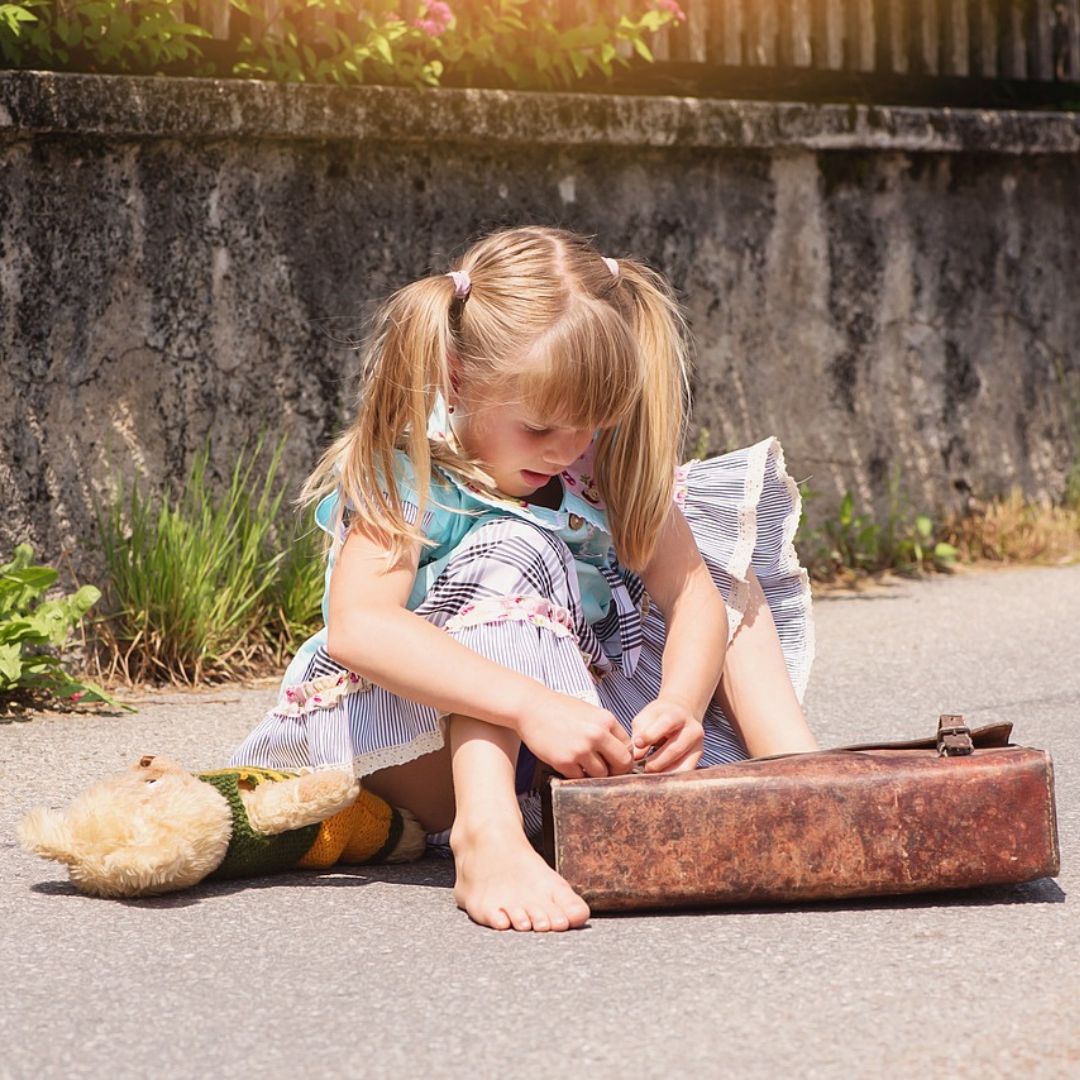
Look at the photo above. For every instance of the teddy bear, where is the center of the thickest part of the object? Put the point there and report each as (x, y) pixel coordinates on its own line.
(158, 828)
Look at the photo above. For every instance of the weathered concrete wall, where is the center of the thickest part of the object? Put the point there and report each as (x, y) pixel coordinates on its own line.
(894, 292)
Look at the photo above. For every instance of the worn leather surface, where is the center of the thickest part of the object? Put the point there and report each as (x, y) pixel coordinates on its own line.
(835, 823)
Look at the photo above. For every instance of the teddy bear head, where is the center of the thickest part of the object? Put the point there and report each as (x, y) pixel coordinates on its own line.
(153, 829)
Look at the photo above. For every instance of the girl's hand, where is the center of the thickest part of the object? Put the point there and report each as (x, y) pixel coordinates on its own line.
(674, 730)
(575, 738)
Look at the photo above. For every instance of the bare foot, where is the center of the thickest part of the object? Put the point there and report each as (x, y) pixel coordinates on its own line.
(502, 882)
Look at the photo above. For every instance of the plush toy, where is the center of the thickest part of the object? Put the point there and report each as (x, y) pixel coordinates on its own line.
(158, 829)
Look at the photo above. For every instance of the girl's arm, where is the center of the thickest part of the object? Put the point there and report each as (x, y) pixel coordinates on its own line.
(370, 631)
(679, 584)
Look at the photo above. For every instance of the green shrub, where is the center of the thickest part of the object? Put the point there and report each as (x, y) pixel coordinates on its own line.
(851, 543)
(513, 38)
(32, 628)
(200, 588)
(294, 600)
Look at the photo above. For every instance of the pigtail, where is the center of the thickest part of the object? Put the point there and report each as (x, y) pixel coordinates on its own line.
(636, 460)
(404, 366)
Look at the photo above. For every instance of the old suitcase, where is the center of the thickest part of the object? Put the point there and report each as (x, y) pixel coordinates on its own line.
(967, 808)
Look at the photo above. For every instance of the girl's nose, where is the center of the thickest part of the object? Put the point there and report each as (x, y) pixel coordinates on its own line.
(564, 448)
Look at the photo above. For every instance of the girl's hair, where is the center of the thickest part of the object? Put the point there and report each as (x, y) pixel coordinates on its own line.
(546, 323)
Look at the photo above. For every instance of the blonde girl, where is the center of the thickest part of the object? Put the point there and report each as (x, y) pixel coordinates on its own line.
(520, 571)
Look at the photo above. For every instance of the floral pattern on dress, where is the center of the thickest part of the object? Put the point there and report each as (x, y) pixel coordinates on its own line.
(320, 693)
(682, 483)
(533, 609)
(580, 478)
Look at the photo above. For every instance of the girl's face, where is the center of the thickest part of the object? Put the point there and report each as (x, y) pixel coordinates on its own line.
(522, 451)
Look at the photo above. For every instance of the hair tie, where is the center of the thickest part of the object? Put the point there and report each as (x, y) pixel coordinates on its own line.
(462, 284)
(612, 265)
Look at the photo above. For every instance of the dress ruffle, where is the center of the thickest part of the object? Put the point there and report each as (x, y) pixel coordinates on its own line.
(743, 509)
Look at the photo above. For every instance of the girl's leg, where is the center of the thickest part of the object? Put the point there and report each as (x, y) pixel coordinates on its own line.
(502, 881)
(755, 689)
(423, 786)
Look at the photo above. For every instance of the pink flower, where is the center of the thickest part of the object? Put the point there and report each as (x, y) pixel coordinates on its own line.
(80, 694)
(438, 18)
(673, 7)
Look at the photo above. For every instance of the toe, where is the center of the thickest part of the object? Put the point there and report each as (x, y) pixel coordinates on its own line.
(540, 920)
(519, 918)
(496, 918)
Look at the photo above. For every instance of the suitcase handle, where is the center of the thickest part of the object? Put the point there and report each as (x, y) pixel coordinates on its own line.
(954, 734)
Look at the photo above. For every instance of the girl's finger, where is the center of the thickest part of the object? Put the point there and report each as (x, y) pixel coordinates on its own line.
(618, 756)
(655, 729)
(593, 765)
(672, 752)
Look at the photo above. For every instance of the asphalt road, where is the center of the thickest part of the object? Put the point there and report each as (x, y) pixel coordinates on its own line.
(374, 972)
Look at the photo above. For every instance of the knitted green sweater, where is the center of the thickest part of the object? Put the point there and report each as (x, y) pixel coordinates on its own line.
(251, 853)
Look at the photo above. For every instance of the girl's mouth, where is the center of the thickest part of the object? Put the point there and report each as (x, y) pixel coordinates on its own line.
(536, 479)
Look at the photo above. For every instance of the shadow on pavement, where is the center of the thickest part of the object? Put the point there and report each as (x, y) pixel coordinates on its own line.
(430, 872)
(1043, 891)
(439, 874)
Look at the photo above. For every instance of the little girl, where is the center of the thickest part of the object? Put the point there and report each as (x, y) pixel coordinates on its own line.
(519, 570)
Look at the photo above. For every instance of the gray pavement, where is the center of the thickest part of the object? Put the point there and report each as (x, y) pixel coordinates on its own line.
(373, 971)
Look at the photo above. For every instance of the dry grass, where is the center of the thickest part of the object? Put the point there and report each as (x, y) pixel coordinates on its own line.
(1012, 530)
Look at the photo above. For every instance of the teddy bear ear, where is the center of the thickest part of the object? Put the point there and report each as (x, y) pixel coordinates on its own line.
(45, 833)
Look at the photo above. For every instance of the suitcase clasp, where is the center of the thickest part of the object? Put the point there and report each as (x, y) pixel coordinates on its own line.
(953, 736)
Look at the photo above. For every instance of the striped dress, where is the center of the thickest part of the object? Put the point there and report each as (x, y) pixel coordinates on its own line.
(541, 591)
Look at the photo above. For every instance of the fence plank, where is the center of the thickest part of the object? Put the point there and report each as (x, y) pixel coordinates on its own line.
(983, 29)
(794, 38)
(954, 37)
(925, 37)
(730, 30)
(859, 38)
(1073, 14)
(213, 16)
(827, 34)
(893, 37)
(695, 31)
(762, 23)
(1040, 55)
(1013, 47)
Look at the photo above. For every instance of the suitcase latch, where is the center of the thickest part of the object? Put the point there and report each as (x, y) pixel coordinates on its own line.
(953, 736)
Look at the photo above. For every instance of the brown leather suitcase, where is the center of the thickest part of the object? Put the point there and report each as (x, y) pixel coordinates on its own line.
(967, 808)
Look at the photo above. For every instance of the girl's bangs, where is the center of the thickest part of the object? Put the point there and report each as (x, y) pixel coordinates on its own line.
(582, 385)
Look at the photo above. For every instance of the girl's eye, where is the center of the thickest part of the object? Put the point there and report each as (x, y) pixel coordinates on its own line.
(537, 430)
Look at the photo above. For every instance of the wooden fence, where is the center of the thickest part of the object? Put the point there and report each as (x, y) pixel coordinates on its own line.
(1026, 40)
(1012, 39)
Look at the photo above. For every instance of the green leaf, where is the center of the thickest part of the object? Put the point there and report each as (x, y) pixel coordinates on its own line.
(642, 49)
(10, 665)
(382, 47)
(924, 526)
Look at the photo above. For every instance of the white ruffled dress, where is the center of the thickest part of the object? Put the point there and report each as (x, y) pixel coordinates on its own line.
(541, 591)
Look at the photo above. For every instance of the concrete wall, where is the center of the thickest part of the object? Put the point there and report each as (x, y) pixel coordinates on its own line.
(893, 292)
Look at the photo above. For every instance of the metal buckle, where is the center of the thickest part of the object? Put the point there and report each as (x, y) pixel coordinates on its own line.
(953, 737)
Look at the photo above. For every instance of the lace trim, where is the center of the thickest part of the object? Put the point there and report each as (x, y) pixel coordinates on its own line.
(427, 742)
(533, 609)
(320, 693)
